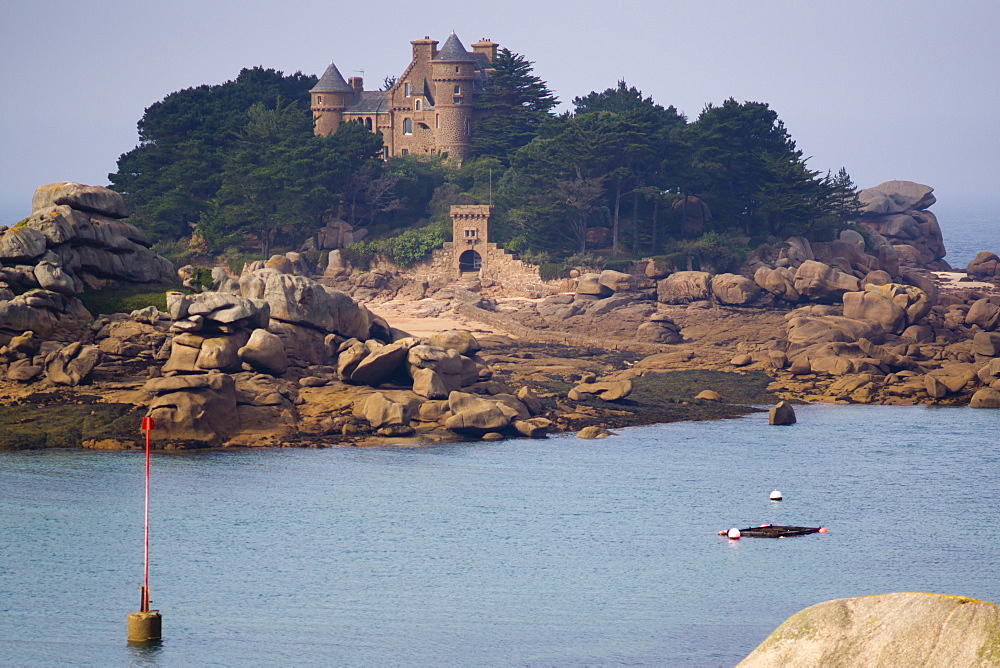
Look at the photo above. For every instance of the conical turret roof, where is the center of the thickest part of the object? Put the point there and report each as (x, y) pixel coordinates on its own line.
(453, 51)
(332, 81)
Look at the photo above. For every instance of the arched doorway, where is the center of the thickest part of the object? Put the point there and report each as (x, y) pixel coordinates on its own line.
(470, 260)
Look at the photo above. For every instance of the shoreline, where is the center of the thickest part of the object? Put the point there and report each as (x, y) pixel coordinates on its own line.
(747, 355)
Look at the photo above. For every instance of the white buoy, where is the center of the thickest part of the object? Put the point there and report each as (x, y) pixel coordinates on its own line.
(776, 495)
(734, 533)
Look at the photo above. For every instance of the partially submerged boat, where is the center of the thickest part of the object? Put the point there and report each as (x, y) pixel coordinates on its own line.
(771, 531)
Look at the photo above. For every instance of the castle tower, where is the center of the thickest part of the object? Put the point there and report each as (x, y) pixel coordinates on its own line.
(329, 98)
(452, 71)
(487, 48)
(470, 228)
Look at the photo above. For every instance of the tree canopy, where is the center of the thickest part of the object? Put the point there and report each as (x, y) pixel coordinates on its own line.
(169, 178)
(238, 162)
(515, 105)
(240, 158)
(279, 177)
(604, 175)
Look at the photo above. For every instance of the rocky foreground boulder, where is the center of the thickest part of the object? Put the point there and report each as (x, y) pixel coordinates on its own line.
(48, 315)
(289, 356)
(897, 210)
(906, 629)
(985, 265)
(75, 237)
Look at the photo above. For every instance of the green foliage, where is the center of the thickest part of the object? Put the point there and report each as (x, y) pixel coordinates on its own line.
(515, 106)
(618, 264)
(586, 262)
(671, 262)
(528, 255)
(616, 100)
(593, 169)
(279, 179)
(414, 245)
(621, 160)
(550, 271)
(747, 168)
(416, 181)
(715, 252)
(202, 277)
(403, 249)
(361, 255)
(238, 164)
(21, 223)
(184, 140)
(126, 298)
(235, 259)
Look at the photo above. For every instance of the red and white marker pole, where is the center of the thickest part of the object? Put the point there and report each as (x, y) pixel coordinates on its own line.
(147, 426)
(144, 626)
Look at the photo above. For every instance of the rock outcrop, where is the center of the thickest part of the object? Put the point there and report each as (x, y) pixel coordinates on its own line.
(305, 357)
(781, 414)
(287, 342)
(897, 210)
(906, 629)
(74, 238)
(895, 307)
(49, 315)
(985, 265)
(684, 287)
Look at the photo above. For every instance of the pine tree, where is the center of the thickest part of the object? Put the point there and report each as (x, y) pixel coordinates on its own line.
(515, 105)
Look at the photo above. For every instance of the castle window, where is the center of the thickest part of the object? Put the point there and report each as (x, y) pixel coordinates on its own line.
(404, 151)
(456, 69)
(406, 89)
(437, 120)
(368, 123)
(456, 100)
(458, 90)
(319, 98)
(407, 126)
(470, 234)
(468, 126)
(416, 105)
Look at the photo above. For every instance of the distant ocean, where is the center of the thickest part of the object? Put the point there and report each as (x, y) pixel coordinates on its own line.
(968, 227)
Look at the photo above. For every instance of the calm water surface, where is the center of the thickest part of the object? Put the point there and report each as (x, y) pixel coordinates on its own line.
(558, 553)
(968, 227)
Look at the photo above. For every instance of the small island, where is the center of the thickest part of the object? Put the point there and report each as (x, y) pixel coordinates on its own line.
(298, 261)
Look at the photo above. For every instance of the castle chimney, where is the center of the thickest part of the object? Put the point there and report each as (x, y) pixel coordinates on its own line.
(487, 48)
(424, 49)
(357, 83)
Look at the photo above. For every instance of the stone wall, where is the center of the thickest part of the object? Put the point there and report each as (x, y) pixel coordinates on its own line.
(499, 266)
(514, 274)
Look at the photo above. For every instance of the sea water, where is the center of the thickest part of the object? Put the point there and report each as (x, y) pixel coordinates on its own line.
(968, 227)
(557, 552)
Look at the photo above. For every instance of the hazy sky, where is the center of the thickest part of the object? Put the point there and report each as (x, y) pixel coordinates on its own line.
(906, 89)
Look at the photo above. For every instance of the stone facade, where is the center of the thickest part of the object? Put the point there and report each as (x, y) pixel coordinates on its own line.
(470, 226)
(431, 109)
(472, 256)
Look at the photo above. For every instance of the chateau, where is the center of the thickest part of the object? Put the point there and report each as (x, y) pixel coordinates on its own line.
(430, 109)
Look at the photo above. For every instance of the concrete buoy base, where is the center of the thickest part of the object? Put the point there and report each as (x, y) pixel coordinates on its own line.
(144, 626)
